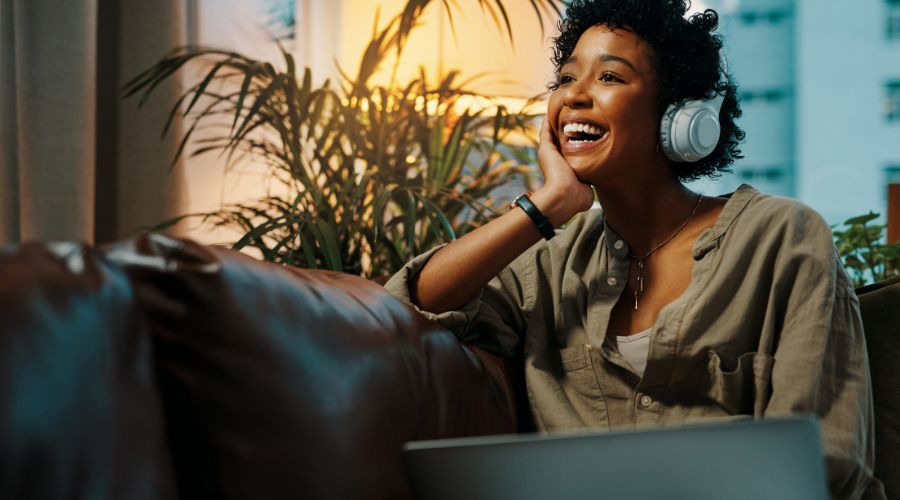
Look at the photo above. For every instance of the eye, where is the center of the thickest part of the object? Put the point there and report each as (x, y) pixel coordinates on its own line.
(564, 79)
(606, 76)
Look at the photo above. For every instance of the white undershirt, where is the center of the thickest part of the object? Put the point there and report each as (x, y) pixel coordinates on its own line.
(634, 349)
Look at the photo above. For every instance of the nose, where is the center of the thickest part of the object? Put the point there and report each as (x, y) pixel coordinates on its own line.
(576, 97)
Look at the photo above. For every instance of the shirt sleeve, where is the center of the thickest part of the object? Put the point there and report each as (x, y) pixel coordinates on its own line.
(494, 319)
(821, 365)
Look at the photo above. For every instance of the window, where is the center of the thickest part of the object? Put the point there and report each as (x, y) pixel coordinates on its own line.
(892, 101)
(760, 16)
(771, 174)
(892, 174)
(763, 96)
(893, 20)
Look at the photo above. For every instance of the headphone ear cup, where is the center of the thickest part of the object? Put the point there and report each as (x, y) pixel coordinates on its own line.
(690, 131)
(666, 133)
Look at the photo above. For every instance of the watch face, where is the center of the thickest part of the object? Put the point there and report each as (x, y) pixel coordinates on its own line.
(515, 202)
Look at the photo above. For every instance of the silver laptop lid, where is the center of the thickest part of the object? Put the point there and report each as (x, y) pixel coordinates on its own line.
(772, 459)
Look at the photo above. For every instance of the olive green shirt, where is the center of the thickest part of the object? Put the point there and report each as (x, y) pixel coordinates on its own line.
(769, 325)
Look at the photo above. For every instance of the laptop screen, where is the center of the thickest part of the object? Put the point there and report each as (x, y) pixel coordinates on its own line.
(770, 459)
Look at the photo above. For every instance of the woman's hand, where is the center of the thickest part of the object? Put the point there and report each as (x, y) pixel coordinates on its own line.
(563, 194)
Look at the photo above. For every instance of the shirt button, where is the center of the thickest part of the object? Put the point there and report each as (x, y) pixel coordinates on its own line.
(646, 401)
(618, 244)
(612, 281)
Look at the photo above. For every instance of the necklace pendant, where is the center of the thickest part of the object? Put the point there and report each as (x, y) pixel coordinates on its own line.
(641, 275)
(639, 284)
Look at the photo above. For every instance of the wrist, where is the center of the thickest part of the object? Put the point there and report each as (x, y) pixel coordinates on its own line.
(554, 204)
(541, 222)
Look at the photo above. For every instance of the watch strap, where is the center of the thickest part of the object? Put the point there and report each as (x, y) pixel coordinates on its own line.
(540, 220)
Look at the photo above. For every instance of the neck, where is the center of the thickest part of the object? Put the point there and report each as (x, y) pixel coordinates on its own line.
(646, 213)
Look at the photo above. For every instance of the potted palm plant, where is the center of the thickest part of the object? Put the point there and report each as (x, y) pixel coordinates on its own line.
(374, 174)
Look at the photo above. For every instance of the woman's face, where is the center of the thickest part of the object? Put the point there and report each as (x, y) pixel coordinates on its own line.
(604, 112)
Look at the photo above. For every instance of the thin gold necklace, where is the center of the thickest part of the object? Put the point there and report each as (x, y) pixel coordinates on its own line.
(639, 287)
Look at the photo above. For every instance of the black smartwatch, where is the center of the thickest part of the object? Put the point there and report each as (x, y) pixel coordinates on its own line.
(540, 220)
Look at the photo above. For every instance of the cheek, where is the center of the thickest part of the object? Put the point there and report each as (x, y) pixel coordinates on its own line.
(637, 119)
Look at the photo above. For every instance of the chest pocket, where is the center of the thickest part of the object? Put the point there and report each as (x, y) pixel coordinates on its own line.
(742, 389)
(562, 387)
(578, 379)
(574, 358)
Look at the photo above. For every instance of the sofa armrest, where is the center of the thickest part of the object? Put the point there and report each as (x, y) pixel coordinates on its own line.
(80, 415)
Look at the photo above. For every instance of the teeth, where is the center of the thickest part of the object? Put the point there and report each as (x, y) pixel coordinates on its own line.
(585, 128)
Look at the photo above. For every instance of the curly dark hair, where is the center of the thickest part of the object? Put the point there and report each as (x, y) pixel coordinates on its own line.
(685, 58)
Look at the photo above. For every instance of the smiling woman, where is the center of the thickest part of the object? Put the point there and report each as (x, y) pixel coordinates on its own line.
(665, 306)
(599, 89)
(692, 70)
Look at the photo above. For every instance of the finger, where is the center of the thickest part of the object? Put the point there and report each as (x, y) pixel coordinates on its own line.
(553, 136)
(544, 134)
(545, 146)
(547, 134)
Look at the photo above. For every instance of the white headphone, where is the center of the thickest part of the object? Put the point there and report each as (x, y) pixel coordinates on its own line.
(689, 130)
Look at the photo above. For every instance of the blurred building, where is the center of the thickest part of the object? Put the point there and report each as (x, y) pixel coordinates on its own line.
(820, 90)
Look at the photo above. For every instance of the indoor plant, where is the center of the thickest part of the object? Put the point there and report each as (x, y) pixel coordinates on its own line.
(374, 174)
(867, 258)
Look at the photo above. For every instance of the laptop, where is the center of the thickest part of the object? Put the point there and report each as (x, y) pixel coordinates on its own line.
(770, 459)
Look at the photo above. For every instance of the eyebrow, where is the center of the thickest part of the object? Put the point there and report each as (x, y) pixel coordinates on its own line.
(605, 58)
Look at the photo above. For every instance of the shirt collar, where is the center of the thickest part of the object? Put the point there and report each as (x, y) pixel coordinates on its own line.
(709, 239)
(737, 202)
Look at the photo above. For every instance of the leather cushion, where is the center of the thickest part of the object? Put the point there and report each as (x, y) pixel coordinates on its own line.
(290, 383)
(79, 409)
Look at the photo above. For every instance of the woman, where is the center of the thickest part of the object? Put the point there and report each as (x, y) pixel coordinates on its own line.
(666, 306)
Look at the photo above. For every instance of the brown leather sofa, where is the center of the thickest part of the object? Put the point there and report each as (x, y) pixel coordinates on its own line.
(159, 369)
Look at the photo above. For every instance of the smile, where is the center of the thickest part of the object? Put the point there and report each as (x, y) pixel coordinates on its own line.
(581, 136)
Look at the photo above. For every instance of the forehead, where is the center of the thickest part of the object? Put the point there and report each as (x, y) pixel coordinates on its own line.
(600, 39)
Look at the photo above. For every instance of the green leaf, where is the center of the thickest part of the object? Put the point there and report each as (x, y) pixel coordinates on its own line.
(244, 92)
(260, 100)
(411, 217)
(862, 219)
(200, 89)
(327, 235)
(506, 22)
(438, 215)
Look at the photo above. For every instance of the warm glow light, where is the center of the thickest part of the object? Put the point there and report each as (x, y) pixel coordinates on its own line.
(490, 105)
(432, 107)
(475, 46)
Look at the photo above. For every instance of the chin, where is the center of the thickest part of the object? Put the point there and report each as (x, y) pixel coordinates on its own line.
(596, 171)
(583, 166)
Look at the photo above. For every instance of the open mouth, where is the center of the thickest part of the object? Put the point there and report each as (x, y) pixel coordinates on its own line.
(583, 133)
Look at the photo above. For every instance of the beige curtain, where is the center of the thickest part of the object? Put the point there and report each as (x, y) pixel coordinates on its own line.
(77, 162)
